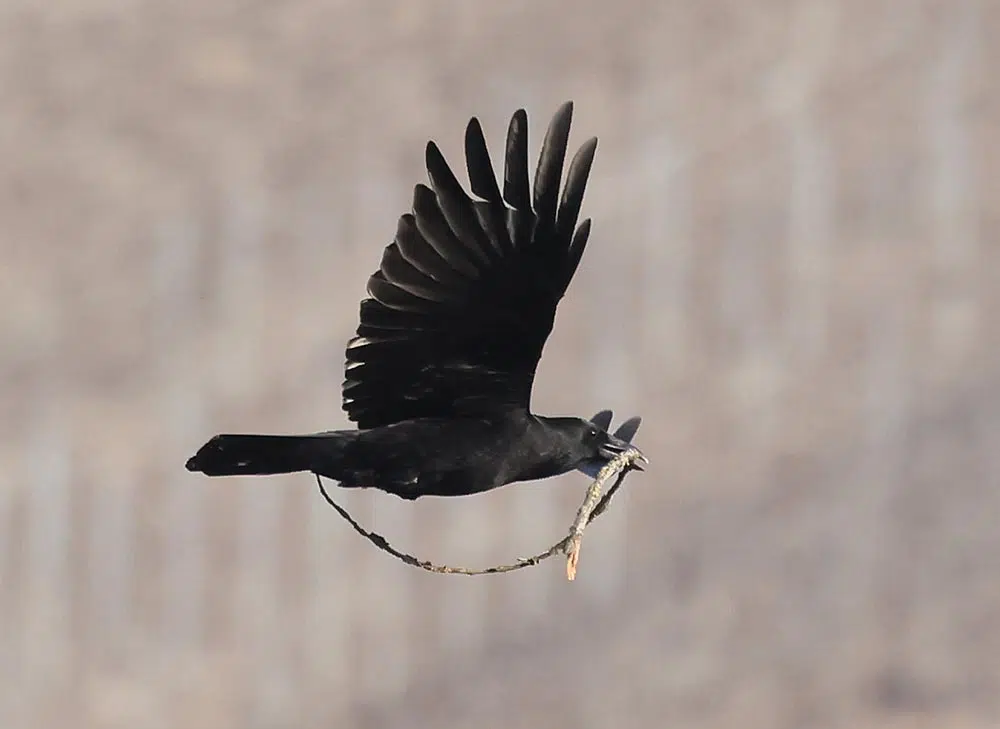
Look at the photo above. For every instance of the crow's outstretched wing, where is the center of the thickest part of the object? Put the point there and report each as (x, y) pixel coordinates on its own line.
(466, 294)
(602, 419)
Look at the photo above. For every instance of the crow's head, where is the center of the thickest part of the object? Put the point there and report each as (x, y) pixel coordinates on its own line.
(586, 446)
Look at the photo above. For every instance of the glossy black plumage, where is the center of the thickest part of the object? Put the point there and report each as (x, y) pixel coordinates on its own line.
(466, 295)
(439, 375)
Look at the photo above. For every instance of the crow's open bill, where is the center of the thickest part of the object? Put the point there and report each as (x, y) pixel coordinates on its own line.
(439, 376)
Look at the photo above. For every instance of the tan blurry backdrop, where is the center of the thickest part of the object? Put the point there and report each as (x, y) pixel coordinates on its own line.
(794, 277)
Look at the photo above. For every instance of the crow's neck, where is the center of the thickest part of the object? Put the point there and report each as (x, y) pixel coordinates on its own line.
(546, 450)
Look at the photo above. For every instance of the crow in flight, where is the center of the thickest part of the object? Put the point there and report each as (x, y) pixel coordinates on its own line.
(439, 376)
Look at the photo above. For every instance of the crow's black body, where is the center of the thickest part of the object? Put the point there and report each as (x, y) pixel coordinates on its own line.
(439, 376)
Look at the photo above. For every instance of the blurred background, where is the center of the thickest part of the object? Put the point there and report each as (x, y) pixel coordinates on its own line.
(794, 277)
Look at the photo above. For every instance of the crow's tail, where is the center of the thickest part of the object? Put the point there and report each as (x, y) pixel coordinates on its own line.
(261, 455)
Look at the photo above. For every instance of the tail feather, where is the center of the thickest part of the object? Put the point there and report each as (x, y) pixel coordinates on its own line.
(263, 455)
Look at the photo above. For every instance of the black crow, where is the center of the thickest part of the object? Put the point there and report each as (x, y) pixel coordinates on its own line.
(439, 376)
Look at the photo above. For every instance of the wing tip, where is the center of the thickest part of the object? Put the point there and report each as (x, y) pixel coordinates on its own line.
(565, 111)
(432, 154)
(473, 127)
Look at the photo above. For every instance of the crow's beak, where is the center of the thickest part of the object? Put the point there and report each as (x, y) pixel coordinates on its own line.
(612, 447)
(616, 446)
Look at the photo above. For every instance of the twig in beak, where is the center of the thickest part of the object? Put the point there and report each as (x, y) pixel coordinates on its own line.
(619, 466)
